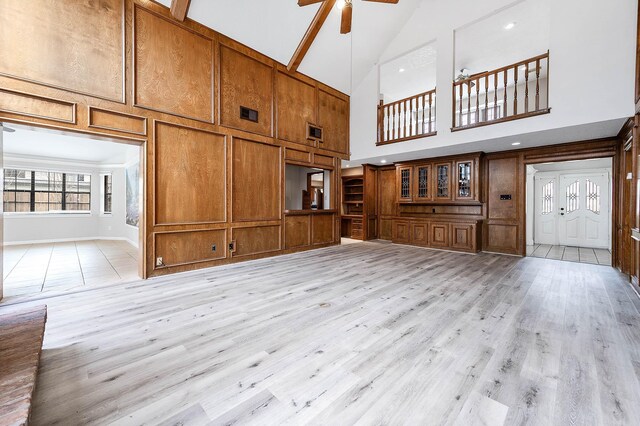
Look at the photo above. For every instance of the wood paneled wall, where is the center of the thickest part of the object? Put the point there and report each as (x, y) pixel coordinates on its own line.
(214, 181)
(502, 220)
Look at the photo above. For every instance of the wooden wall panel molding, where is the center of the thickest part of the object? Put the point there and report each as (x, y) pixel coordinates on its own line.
(256, 240)
(60, 42)
(245, 82)
(323, 161)
(502, 238)
(297, 231)
(173, 68)
(503, 180)
(296, 106)
(256, 181)
(322, 228)
(303, 157)
(190, 175)
(188, 247)
(333, 116)
(36, 106)
(120, 122)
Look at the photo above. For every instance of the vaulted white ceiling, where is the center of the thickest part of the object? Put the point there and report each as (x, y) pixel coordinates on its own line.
(275, 28)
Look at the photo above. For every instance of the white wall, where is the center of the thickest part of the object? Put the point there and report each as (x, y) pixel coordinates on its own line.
(591, 77)
(22, 228)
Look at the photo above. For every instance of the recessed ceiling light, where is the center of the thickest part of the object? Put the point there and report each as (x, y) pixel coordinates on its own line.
(510, 26)
(347, 166)
(515, 143)
(401, 70)
(340, 4)
(383, 161)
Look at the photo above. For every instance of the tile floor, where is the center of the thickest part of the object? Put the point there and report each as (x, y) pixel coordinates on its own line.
(571, 254)
(34, 268)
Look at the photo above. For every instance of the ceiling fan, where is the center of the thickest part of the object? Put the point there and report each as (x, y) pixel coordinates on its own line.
(347, 10)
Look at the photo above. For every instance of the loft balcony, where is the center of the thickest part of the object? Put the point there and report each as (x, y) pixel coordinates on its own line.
(410, 118)
(512, 92)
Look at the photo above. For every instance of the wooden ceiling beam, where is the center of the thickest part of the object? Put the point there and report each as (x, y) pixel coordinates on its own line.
(179, 9)
(308, 2)
(310, 35)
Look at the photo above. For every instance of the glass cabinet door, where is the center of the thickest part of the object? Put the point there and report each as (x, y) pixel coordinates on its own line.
(443, 190)
(404, 181)
(423, 182)
(463, 180)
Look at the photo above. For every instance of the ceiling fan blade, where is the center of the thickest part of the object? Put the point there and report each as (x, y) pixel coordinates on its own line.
(385, 1)
(308, 2)
(345, 22)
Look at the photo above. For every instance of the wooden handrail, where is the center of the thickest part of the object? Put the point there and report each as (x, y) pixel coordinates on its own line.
(519, 98)
(499, 70)
(409, 118)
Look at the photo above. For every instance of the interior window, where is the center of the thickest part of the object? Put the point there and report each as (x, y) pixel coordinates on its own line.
(307, 188)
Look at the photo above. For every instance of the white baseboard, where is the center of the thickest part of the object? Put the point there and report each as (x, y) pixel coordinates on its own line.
(67, 240)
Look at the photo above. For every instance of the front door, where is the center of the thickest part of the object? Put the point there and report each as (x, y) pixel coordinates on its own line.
(583, 202)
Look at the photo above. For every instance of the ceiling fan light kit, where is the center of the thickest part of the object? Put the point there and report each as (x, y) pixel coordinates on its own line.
(346, 7)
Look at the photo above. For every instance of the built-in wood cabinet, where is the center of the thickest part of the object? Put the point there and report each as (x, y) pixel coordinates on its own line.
(445, 180)
(459, 235)
(359, 218)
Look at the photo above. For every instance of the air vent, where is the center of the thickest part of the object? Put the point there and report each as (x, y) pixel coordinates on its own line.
(314, 132)
(248, 114)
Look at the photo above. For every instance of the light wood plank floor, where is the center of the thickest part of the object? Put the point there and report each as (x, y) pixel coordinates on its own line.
(34, 268)
(571, 254)
(370, 333)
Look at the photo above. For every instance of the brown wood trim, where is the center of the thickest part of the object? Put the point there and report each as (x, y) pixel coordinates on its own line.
(195, 262)
(72, 105)
(310, 35)
(408, 138)
(95, 135)
(498, 70)
(134, 65)
(279, 224)
(503, 120)
(122, 114)
(309, 212)
(155, 172)
(399, 101)
(122, 100)
(179, 9)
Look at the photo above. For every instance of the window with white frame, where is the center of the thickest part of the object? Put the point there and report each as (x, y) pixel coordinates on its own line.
(107, 193)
